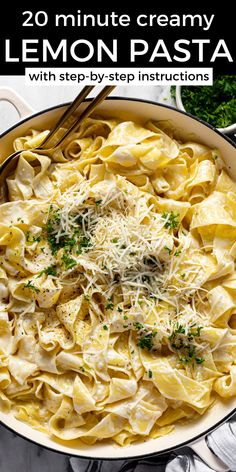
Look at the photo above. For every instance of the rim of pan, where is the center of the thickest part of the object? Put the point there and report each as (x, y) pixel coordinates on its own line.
(206, 431)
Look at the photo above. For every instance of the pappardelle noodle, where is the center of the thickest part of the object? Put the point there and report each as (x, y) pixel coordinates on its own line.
(117, 283)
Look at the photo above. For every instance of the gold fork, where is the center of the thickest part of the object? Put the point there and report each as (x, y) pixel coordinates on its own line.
(52, 141)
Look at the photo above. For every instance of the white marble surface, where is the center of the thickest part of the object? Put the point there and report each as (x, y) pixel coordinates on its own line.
(40, 97)
(16, 453)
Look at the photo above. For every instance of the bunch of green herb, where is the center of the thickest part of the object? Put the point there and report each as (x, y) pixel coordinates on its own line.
(215, 104)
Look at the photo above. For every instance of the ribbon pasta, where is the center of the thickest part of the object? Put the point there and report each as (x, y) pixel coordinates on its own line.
(117, 283)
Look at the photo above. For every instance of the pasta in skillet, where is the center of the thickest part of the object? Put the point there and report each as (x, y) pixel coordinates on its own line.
(117, 283)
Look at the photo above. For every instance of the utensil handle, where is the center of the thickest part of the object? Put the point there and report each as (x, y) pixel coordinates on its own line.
(22, 107)
(66, 119)
(201, 448)
(87, 112)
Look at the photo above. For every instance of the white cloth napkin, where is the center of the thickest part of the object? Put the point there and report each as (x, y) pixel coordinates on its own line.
(222, 442)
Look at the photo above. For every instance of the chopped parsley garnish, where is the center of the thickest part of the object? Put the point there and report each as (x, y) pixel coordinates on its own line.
(50, 270)
(68, 261)
(145, 341)
(69, 242)
(57, 216)
(199, 360)
(189, 358)
(115, 240)
(138, 325)
(119, 309)
(49, 226)
(105, 327)
(181, 340)
(32, 239)
(149, 374)
(31, 286)
(194, 333)
(171, 218)
(126, 317)
(98, 202)
(177, 253)
(83, 245)
(54, 245)
(178, 329)
(110, 304)
(168, 249)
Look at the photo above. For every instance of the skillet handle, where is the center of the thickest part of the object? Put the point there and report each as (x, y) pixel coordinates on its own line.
(202, 450)
(22, 107)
